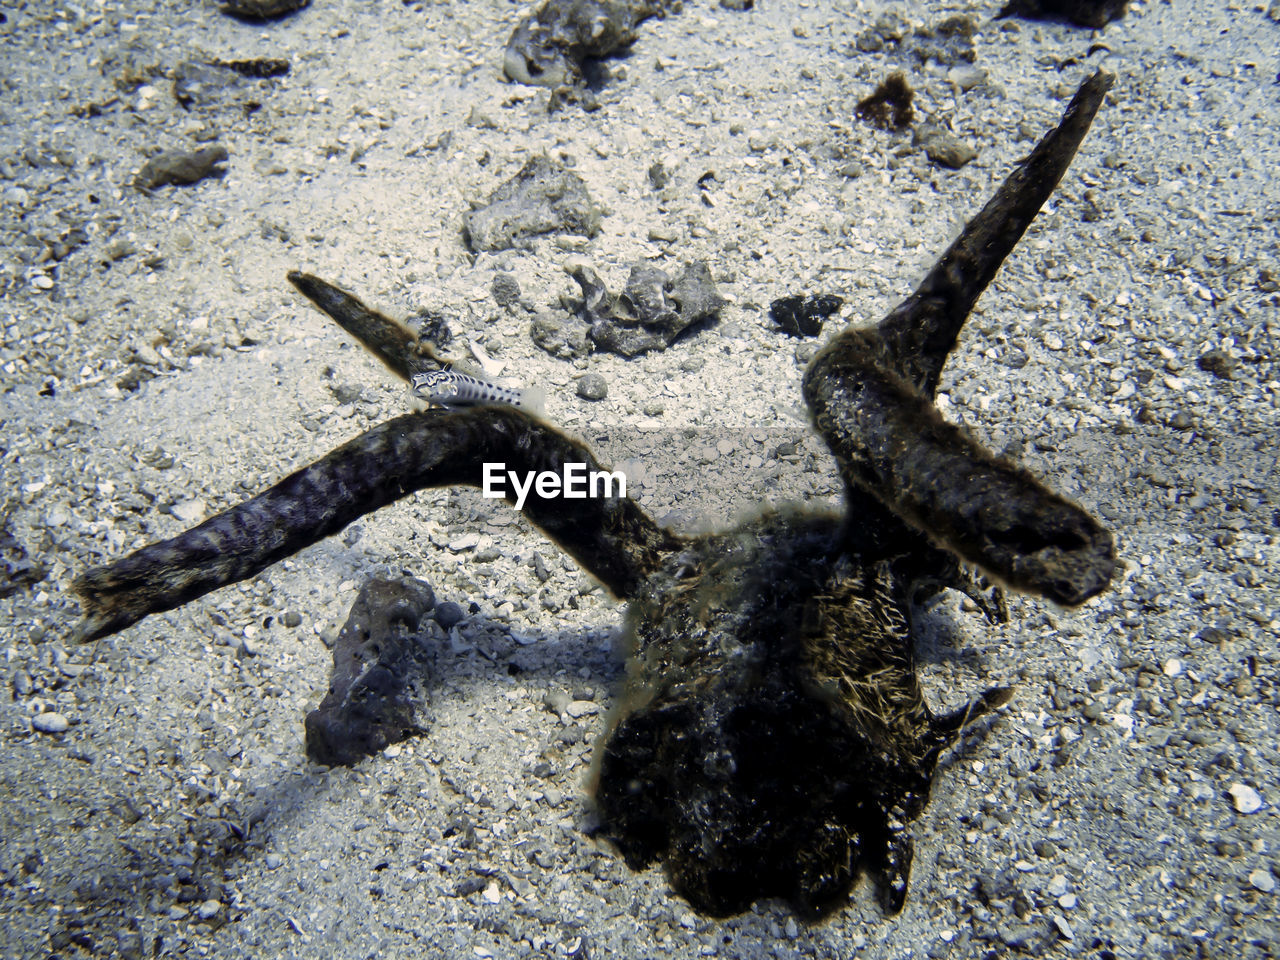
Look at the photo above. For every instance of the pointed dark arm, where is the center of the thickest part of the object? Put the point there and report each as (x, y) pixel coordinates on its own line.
(610, 536)
(871, 393)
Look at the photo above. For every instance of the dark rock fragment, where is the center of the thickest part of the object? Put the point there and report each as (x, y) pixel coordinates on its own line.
(567, 338)
(1219, 363)
(262, 9)
(1083, 13)
(449, 614)
(260, 68)
(888, 31)
(889, 105)
(802, 316)
(379, 665)
(431, 326)
(551, 47)
(180, 167)
(505, 289)
(544, 197)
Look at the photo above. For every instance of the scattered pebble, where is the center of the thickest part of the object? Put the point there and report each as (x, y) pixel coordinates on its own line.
(468, 541)
(189, 511)
(1263, 880)
(1245, 798)
(449, 614)
(943, 147)
(181, 167)
(50, 723)
(208, 909)
(592, 386)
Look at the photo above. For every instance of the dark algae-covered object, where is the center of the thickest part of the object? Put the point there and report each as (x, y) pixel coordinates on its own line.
(1083, 13)
(771, 739)
(380, 663)
(802, 316)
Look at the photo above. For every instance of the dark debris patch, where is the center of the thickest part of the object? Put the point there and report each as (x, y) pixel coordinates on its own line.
(379, 664)
(889, 105)
(1083, 13)
(262, 9)
(803, 315)
(652, 312)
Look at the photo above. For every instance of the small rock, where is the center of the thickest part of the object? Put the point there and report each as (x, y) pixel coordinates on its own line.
(449, 614)
(291, 619)
(468, 541)
(119, 248)
(189, 511)
(557, 701)
(180, 167)
(1218, 363)
(942, 146)
(1263, 880)
(1245, 798)
(262, 9)
(505, 290)
(208, 909)
(543, 197)
(273, 860)
(592, 386)
(581, 708)
(51, 723)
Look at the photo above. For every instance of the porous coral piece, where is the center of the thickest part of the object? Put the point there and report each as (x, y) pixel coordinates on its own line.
(551, 46)
(379, 663)
(544, 197)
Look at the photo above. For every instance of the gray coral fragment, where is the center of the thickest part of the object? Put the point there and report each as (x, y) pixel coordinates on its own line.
(651, 312)
(544, 197)
(549, 47)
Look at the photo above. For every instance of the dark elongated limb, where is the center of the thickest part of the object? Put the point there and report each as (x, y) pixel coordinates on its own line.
(389, 340)
(871, 391)
(610, 536)
(893, 442)
(920, 332)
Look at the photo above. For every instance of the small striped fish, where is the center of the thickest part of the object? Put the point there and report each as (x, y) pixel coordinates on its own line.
(448, 388)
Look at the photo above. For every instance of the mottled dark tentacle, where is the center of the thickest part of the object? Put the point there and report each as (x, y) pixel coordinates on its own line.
(610, 536)
(389, 340)
(920, 332)
(893, 442)
(870, 392)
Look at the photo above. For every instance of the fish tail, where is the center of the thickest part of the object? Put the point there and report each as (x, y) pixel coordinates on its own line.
(533, 400)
